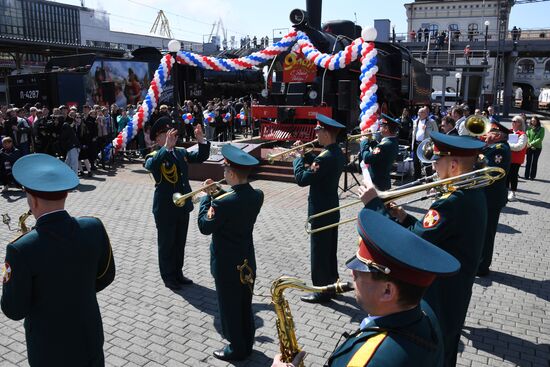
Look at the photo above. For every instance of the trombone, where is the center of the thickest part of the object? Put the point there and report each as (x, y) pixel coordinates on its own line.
(475, 179)
(180, 199)
(271, 158)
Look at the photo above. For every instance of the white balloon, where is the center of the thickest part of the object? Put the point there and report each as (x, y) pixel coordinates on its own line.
(369, 34)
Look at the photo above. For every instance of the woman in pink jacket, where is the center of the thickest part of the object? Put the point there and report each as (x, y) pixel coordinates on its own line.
(518, 145)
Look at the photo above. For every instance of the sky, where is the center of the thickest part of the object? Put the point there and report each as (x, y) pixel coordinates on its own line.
(192, 20)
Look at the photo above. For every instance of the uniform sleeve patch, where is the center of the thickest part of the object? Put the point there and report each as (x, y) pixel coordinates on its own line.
(6, 272)
(376, 150)
(431, 219)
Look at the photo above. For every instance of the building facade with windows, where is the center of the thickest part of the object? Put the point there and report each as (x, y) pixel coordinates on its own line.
(473, 23)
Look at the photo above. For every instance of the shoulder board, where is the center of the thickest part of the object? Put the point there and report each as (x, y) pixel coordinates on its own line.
(324, 152)
(20, 236)
(224, 195)
(445, 196)
(151, 155)
(181, 149)
(498, 146)
(367, 350)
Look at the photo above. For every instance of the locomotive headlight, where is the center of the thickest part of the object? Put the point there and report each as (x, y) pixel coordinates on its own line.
(312, 94)
(298, 17)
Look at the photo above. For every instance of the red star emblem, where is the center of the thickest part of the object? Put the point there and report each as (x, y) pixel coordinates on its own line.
(431, 218)
(376, 150)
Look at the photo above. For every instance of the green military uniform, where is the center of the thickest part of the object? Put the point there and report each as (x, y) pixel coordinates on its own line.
(323, 195)
(497, 155)
(403, 335)
(52, 273)
(380, 160)
(170, 171)
(448, 225)
(394, 340)
(230, 219)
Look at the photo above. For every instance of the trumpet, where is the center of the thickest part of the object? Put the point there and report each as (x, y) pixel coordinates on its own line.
(471, 180)
(359, 136)
(180, 199)
(273, 157)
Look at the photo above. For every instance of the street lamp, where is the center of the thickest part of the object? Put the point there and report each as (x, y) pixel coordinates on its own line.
(457, 76)
(487, 24)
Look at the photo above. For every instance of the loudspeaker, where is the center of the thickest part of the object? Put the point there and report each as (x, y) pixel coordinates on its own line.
(108, 92)
(347, 94)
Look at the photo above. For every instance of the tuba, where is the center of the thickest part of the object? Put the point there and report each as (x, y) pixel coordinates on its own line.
(285, 323)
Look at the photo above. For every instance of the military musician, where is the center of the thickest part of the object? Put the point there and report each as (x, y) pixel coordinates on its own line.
(229, 217)
(381, 156)
(455, 222)
(498, 154)
(322, 174)
(169, 167)
(389, 284)
(52, 273)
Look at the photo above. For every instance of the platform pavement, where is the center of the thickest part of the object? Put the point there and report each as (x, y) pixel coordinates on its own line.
(508, 323)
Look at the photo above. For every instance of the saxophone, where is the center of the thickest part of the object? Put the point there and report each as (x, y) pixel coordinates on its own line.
(285, 323)
(22, 218)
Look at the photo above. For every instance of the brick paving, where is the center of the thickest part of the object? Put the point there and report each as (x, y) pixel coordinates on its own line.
(508, 323)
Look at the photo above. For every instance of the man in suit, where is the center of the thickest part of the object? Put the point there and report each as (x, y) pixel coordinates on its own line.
(498, 154)
(448, 126)
(381, 156)
(456, 223)
(229, 217)
(169, 167)
(322, 175)
(422, 127)
(52, 273)
(399, 330)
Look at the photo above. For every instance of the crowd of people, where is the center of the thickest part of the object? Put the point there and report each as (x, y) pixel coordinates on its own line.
(80, 136)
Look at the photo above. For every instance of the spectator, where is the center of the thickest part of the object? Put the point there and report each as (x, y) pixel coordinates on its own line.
(457, 114)
(518, 145)
(69, 145)
(406, 126)
(448, 126)
(9, 154)
(122, 121)
(515, 33)
(426, 34)
(419, 34)
(467, 53)
(23, 133)
(422, 127)
(412, 36)
(535, 136)
(493, 117)
(40, 132)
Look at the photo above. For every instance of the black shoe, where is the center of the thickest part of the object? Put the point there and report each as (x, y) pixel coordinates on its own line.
(220, 354)
(172, 284)
(185, 281)
(89, 174)
(483, 273)
(316, 298)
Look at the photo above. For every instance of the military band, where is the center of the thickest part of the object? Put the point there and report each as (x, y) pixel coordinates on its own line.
(413, 277)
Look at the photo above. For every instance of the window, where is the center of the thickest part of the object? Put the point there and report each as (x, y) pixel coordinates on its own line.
(434, 29)
(547, 67)
(526, 66)
(453, 27)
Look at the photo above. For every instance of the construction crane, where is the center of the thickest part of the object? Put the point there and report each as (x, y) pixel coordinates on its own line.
(215, 36)
(161, 26)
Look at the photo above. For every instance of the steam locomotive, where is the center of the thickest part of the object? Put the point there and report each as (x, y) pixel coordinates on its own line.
(402, 80)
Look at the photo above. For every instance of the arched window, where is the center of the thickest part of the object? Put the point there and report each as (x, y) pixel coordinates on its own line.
(525, 66)
(547, 67)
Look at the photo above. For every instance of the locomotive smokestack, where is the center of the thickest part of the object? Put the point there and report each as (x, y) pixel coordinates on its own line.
(314, 8)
